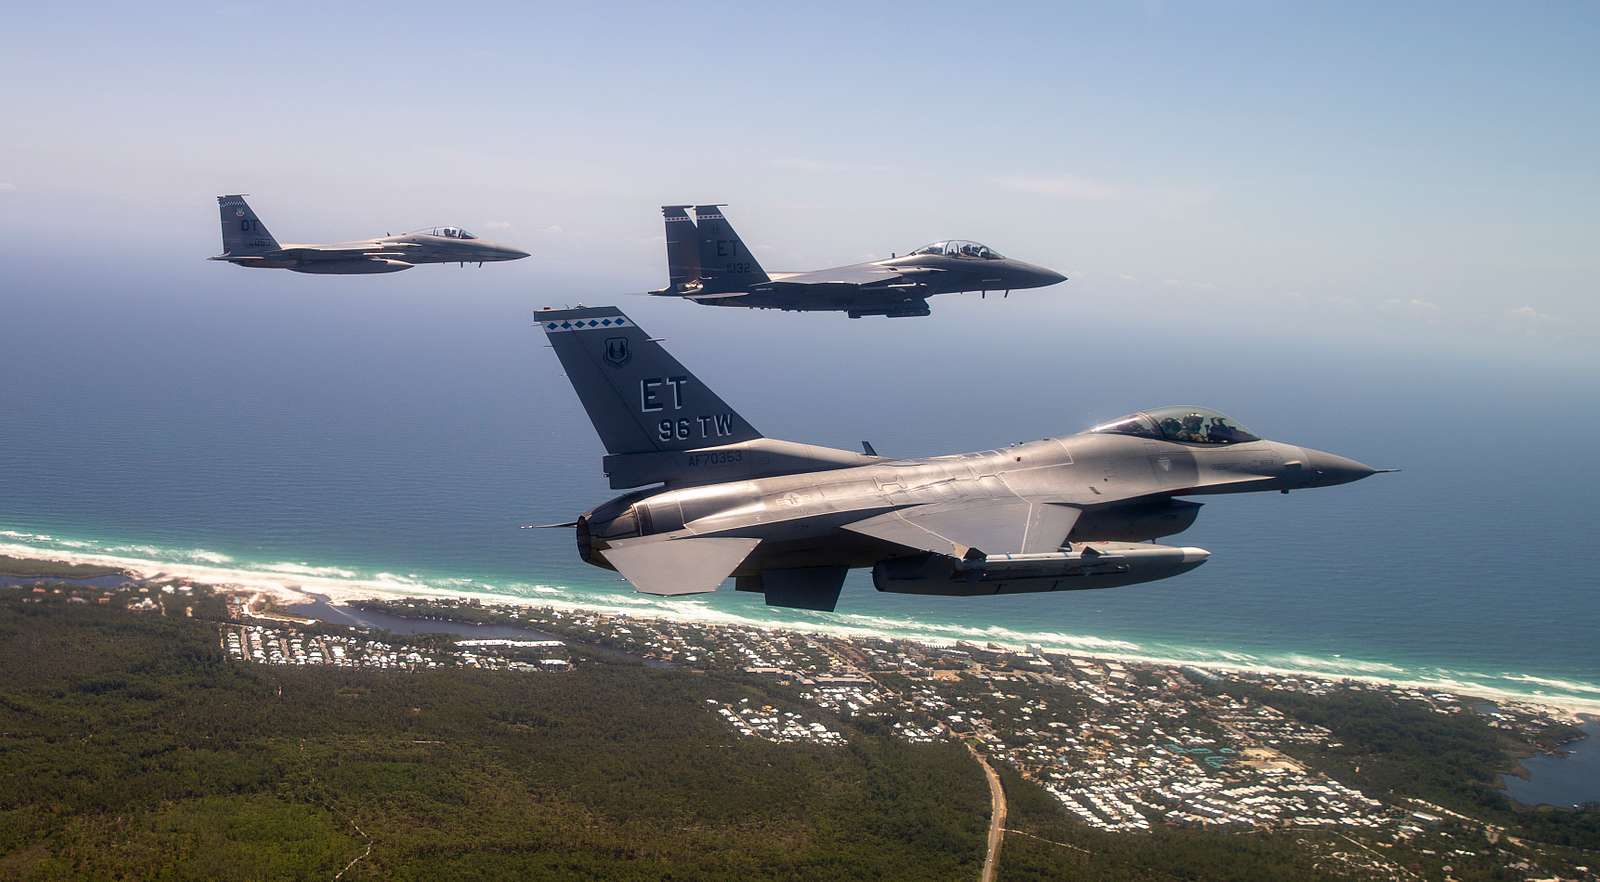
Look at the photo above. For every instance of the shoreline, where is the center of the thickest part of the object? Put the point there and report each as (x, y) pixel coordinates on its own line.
(299, 583)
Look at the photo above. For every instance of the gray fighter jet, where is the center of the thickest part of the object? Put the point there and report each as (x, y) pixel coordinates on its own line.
(790, 519)
(246, 242)
(708, 263)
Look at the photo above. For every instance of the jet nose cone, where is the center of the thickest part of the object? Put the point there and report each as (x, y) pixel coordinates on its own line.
(1328, 469)
(515, 254)
(1040, 277)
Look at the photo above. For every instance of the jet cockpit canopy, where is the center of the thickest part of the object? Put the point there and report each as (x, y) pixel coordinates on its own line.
(445, 233)
(960, 248)
(1190, 425)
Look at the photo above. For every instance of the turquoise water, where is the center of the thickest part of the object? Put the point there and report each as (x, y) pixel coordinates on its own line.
(400, 432)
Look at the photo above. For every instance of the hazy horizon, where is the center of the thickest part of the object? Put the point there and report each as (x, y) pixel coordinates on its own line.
(1364, 172)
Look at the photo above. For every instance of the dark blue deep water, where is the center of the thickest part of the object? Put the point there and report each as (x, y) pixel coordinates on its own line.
(400, 429)
(1566, 779)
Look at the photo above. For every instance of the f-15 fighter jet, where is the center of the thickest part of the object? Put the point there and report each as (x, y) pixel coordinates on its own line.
(789, 520)
(708, 263)
(246, 242)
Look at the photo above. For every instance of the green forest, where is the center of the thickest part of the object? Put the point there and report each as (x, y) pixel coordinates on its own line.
(131, 749)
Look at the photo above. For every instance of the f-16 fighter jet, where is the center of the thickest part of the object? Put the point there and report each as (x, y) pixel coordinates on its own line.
(246, 242)
(708, 263)
(789, 519)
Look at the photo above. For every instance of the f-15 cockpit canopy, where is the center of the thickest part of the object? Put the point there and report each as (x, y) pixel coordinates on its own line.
(1191, 425)
(960, 248)
(444, 233)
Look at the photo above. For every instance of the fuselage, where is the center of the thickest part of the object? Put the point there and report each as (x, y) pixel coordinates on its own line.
(909, 281)
(383, 254)
(946, 274)
(427, 248)
(1124, 485)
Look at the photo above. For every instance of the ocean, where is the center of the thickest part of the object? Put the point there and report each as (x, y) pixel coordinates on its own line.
(398, 430)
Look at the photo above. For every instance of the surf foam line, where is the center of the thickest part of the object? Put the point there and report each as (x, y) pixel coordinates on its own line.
(301, 582)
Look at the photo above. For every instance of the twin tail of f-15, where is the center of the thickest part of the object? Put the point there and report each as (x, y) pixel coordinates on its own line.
(789, 520)
(246, 242)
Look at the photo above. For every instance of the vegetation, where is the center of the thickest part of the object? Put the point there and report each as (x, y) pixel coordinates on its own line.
(130, 747)
(50, 569)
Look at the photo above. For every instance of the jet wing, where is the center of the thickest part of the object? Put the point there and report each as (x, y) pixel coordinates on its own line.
(722, 296)
(996, 526)
(861, 275)
(347, 251)
(694, 565)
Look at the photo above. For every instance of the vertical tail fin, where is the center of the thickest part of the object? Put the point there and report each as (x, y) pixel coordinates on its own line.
(725, 263)
(640, 399)
(683, 249)
(242, 232)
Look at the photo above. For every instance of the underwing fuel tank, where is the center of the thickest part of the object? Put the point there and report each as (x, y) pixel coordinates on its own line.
(1087, 565)
(350, 267)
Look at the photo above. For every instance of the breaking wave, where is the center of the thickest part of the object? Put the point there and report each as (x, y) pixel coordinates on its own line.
(305, 569)
(1553, 683)
(295, 579)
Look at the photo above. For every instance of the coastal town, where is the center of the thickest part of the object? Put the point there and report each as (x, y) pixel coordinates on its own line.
(1123, 746)
(291, 646)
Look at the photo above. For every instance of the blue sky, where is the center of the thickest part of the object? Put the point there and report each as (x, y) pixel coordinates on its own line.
(1389, 171)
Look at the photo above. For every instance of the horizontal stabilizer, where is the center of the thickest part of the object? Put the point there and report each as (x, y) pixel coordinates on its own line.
(996, 526)
(679, 566)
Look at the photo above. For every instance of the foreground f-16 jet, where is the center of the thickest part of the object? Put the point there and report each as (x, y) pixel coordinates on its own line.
(708, 263)
(246, 242)
(790, 519)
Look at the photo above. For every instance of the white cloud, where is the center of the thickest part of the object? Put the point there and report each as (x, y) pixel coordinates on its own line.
(1414, 307)
(1074, 187)
(1528, 320)
(557, 228)
(497, 225)
(7, 187)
